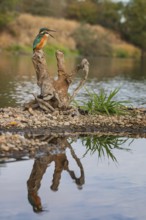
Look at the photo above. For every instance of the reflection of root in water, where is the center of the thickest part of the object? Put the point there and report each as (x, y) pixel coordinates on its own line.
(61, 163)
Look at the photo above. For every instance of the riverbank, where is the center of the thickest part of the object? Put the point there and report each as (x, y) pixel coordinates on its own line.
(20, 33)
(18, 120)
(24, 133)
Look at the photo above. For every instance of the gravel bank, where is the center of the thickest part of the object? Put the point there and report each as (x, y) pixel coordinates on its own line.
(15, 119)
(23, 134)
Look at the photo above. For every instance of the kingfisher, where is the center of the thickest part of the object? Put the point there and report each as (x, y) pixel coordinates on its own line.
(42, 37)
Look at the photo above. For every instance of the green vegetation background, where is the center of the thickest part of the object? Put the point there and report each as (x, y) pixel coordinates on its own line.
(127, 19)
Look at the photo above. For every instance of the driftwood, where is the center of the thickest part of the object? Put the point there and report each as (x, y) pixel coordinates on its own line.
(54, 93)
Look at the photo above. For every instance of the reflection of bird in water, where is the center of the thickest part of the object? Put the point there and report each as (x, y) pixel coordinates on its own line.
(41, 39)
(39, 168)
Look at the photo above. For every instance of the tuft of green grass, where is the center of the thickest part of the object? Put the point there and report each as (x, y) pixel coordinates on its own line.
(121, 53)
(103, 103)
(50, 49)
(19, 49)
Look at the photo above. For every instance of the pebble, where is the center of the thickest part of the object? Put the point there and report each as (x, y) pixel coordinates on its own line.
(66, 123)
(17, 118)
(4, 148)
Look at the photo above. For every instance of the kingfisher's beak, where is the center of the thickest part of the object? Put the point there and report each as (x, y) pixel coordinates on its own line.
(51, 35)
(49, 30)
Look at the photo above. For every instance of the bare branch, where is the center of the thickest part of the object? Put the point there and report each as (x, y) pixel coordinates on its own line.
(43, 104)
(85, 67)
(62, 83)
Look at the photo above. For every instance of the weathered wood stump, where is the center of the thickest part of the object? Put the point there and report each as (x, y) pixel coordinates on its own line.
(54, 93)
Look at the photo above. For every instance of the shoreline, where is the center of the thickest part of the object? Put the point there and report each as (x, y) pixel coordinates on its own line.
(22, 30)
(23, 134)
(17, 120)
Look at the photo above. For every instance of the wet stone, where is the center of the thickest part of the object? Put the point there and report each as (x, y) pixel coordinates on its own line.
(12, 118)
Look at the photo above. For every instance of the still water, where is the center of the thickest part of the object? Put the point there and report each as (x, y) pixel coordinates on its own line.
(94, 178)
(18, 80)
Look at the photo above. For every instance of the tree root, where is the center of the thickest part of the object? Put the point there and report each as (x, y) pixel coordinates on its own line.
(54, 93)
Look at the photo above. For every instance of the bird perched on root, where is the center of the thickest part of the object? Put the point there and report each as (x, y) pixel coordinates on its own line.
(41, 39)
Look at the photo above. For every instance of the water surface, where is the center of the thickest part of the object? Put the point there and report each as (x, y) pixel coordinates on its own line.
(18, 80)
(94, 178)
(87, 181)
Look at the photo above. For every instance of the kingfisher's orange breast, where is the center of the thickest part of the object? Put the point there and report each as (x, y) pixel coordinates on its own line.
(42, 42)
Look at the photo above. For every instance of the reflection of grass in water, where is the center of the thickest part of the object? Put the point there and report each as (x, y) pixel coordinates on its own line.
(103, 145)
